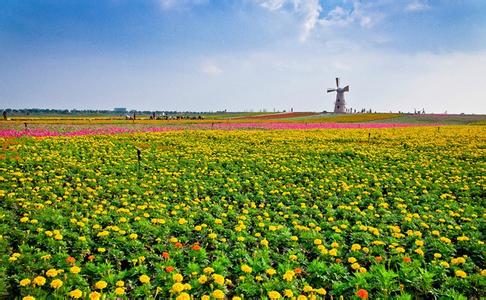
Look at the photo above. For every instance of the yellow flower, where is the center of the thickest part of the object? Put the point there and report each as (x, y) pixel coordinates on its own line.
(308, 289)
(419, 252)
(120, 283)
(177, 277)
(271, 271)
(246, 268)
(183, 296)
(444, 264)
(483, 272)
(419, 243)
(101, 249)
(293, 257)
(264, 242)
(101, 284)
(51, 273)
(317, 242)
(94, 296)
(120, 291)
(289, 275)
(205, 297)
(437, 255)
(355, 266)
(56, 283)
(460, 273)
(144, 279)
(133, 236)
(75, 294)
(333, 252)
(182, 221)
(321, 291)
(219, 279)
(294, 238)
(218, 294)
(203, 279)
(177, 287)
(351, 260)
(28, 298)
(274, 295)
(39, 280)
(25, 282)
(302, 297)
(335, 245)
(355, 247)
(236, 298)
(208, 270)
(288, 293)
(75, 269)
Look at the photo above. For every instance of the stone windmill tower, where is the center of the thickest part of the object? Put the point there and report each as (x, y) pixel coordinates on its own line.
(340, 104)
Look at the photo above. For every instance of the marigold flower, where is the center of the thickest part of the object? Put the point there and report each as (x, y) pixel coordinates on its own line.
(246, 268)
(24, 282)
(274, 295)
(177, 277)
(169, 269)
(51, 273)
(28, 298)
(196, 247)
(144, 279)
(177, 287)
(407, 259)
(363, 294)
(75, 269)
(165, 255)
(202, 279)
(219, 279)
(218, 294)
(288, 293)
(39, 280)
(76, 294)
(101, 284)
(56, 283)
(120, 291)
(460, 273)
(94, 296)
(183, 296)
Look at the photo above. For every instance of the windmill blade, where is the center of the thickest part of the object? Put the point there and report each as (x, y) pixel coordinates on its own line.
(346, 88)
(331, 90)
(337, 81)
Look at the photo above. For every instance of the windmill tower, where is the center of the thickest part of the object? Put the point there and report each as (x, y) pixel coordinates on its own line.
(340, 104)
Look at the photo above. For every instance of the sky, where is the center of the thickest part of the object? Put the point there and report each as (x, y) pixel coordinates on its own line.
(243, 55)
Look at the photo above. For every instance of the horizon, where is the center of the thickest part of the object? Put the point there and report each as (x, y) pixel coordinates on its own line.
(245, 55)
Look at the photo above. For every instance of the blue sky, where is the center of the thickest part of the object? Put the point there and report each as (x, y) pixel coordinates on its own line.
(240, 55)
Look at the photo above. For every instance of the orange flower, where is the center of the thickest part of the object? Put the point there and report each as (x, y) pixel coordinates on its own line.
(407, 259)
(178, 245)
(70, 260)
(363, 294)
(297, 270)
(91, 257)
(169, 269)
(165, 255)
(338, 260)
(378, 259)
(196, 247)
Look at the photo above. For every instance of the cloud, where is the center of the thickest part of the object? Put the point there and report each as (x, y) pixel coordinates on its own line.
(211, 69)
(417, 5)
(309, 13)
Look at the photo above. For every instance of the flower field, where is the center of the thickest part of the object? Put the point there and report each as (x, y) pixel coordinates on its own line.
(250, 214)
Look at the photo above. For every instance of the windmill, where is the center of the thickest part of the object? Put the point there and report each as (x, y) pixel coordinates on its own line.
(340, 104)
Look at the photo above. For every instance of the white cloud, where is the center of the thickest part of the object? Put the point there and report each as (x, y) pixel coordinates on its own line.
(211, 69)
(308, 12)
(417, 5)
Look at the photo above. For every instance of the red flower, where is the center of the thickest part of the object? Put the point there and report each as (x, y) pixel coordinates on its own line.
(169, 269)
(196, 247)
(378, 259)
(70, 260)
(165, 255)
(407, 259)
(178, 245)
(363, 294)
